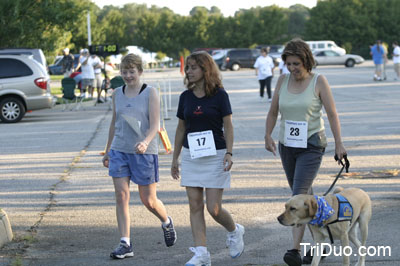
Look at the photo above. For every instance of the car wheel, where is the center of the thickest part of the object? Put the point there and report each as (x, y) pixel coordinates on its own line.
(11, 110)
(235, 67)
(350, 63)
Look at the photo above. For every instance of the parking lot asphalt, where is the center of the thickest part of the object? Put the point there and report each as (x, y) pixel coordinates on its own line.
(60, 199)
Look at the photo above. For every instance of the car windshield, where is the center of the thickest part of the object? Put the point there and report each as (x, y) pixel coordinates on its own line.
(58, 59)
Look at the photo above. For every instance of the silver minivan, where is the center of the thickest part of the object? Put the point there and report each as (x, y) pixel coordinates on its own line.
(37, 53)
(24, 86)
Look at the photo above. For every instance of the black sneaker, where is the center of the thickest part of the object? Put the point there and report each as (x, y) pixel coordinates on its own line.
(169, 233)
(292, 257)
(122, 251)
(307, 259)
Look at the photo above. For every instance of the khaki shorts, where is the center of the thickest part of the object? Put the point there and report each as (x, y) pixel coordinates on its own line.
(397, 67)
(97, 80)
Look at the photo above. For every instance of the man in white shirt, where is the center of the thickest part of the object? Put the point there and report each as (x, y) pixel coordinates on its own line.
(396, 59)
(97, 74)
(86, 64)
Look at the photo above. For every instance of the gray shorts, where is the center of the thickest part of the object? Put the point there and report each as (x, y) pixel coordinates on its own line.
(301, 166)
(397, 67)
(87, 82)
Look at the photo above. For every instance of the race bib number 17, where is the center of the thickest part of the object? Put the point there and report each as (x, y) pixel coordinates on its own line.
(296, 134)
(201, 144)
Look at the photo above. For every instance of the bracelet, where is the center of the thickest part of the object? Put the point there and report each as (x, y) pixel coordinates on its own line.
(145, 142)
(230, 153)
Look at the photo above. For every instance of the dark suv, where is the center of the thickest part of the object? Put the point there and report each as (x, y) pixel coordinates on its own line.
(239, 58)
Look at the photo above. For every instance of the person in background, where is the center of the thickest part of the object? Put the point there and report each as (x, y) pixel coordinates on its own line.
(67, 63)
(132, 152)
(385, 61)
(378, 54)
(97, 75)
(396, 59)
(282, 68)
(87, 70)
(264, 67)
(205, 124)
(299, 97)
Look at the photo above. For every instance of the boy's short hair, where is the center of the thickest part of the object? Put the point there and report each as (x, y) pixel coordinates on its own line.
(130, 61)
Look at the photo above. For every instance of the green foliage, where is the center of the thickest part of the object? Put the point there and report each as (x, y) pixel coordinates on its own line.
(354, 23)
(43, 24)
(54, 24)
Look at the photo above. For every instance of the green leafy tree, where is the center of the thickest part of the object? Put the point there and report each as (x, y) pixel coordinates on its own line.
(38, 24)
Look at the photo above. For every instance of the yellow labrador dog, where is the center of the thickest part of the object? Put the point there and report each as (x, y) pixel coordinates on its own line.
(310, 209)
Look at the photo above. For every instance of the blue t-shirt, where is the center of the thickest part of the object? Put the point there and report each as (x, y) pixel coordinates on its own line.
(206, 113)
(377, 54)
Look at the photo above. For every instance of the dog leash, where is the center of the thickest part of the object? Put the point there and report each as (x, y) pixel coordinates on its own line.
(346, 165)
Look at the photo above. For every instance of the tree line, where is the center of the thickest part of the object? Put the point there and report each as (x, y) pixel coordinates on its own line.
(54, 24)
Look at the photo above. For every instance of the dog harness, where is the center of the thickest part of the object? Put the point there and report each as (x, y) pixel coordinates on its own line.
(345, 210)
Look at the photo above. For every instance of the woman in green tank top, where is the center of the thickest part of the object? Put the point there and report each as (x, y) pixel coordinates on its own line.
(299, 98)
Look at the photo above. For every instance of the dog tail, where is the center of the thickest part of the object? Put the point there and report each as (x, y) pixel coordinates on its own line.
(338, 190)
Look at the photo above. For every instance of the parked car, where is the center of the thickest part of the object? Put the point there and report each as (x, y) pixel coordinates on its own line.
(218, 56)
(35, 52)
(56, 67)
(329, 57)
(325, 45)
(24, 86)
(238, 58)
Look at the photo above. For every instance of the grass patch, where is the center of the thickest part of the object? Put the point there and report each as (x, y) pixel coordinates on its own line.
(17, 261)
(56, 91)
(56, 77)
(29, 239)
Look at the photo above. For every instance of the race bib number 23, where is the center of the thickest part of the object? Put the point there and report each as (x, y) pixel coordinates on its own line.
(296, 134)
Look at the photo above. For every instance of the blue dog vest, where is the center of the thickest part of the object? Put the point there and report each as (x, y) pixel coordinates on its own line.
(345, 210)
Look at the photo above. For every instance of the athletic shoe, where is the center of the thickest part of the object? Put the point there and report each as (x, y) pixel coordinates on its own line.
(122, 251)
(235, 241)
(169, 233)
(269, 100)
(199, 259)
(292, 257)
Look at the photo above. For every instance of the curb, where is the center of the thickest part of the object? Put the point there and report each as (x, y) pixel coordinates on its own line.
(6, 234)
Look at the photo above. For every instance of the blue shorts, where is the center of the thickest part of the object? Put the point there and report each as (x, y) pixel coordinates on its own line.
(141, 168)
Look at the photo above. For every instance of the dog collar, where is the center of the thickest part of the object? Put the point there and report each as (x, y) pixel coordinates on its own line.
(323, 213)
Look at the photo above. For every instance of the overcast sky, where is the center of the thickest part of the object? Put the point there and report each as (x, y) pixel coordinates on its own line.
(228, 7)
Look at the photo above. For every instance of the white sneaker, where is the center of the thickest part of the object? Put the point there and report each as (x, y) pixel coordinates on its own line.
(269, 100)
(199, 259)
(235, 241)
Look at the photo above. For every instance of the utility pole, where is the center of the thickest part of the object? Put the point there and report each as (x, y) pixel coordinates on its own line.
(88, 29)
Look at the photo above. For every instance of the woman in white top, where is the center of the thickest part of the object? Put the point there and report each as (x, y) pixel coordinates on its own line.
(264, 66)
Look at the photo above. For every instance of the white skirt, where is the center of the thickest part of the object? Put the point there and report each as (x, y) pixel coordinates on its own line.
(206, 172)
